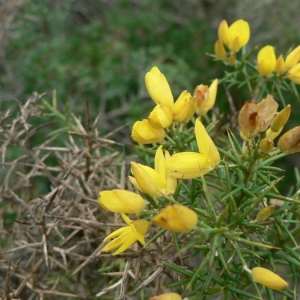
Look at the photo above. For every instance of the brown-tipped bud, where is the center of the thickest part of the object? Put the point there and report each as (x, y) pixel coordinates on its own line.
(220, 50)
(265, 213)
(290, 141)
(266, 145)
(255, 118)
(280, 120)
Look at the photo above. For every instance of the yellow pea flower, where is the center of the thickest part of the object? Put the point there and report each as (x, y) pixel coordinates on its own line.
(290, 141)
(162, 116)
(154, 182)
(167, 296)
(294, 73)
(147, 132)
(205, 97)
(125, 237)
(176, 218)
(235, 36)
(266, 61)
(292, 58)
(184, 107)
(121, 201)
(158, 88)
(268, 279)
(186, 165)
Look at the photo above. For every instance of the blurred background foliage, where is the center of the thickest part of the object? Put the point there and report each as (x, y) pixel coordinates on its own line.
(100, 51)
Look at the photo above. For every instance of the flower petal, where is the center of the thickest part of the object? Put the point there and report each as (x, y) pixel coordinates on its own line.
(186, 165)
(158, 88)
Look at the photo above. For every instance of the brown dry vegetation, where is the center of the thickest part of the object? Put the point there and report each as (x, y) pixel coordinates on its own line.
(51, 242)
(52, 227)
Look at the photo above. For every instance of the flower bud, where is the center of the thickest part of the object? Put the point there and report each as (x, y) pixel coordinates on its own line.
(121, 201)
(232, 59)
(265, 213)
(280, 65)
(176, 218)
(294, 73)
(147, 132)
(167, 296)
(162, 116)
(184, 108)
(280, 119)
(220, 50)
(266, 61)
(268, 279)
(292, 58)
(265, 145)
(290, 141)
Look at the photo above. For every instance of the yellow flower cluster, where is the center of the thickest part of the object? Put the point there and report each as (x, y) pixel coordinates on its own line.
(231, 39)
(152, 129)
(161, 181)
(290, 66)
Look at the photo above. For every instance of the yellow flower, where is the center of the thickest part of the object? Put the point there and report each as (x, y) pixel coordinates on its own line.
(167, 296)
(158, 88)
(220, 49)
(268, 279)
(184, 108)
(280, 65)
(176, 218)
(292, 58)
(192, 164)
(162, 116)
(205, 97)
(121, 201)
(147, 132)
(266, 61)
(290, 141)
(154, 182)
(125, 237)
(236, 36)
(294, 73)
(255, 118)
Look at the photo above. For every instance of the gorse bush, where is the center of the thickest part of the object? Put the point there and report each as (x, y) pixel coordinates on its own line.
(195, 209)
(208, 201)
